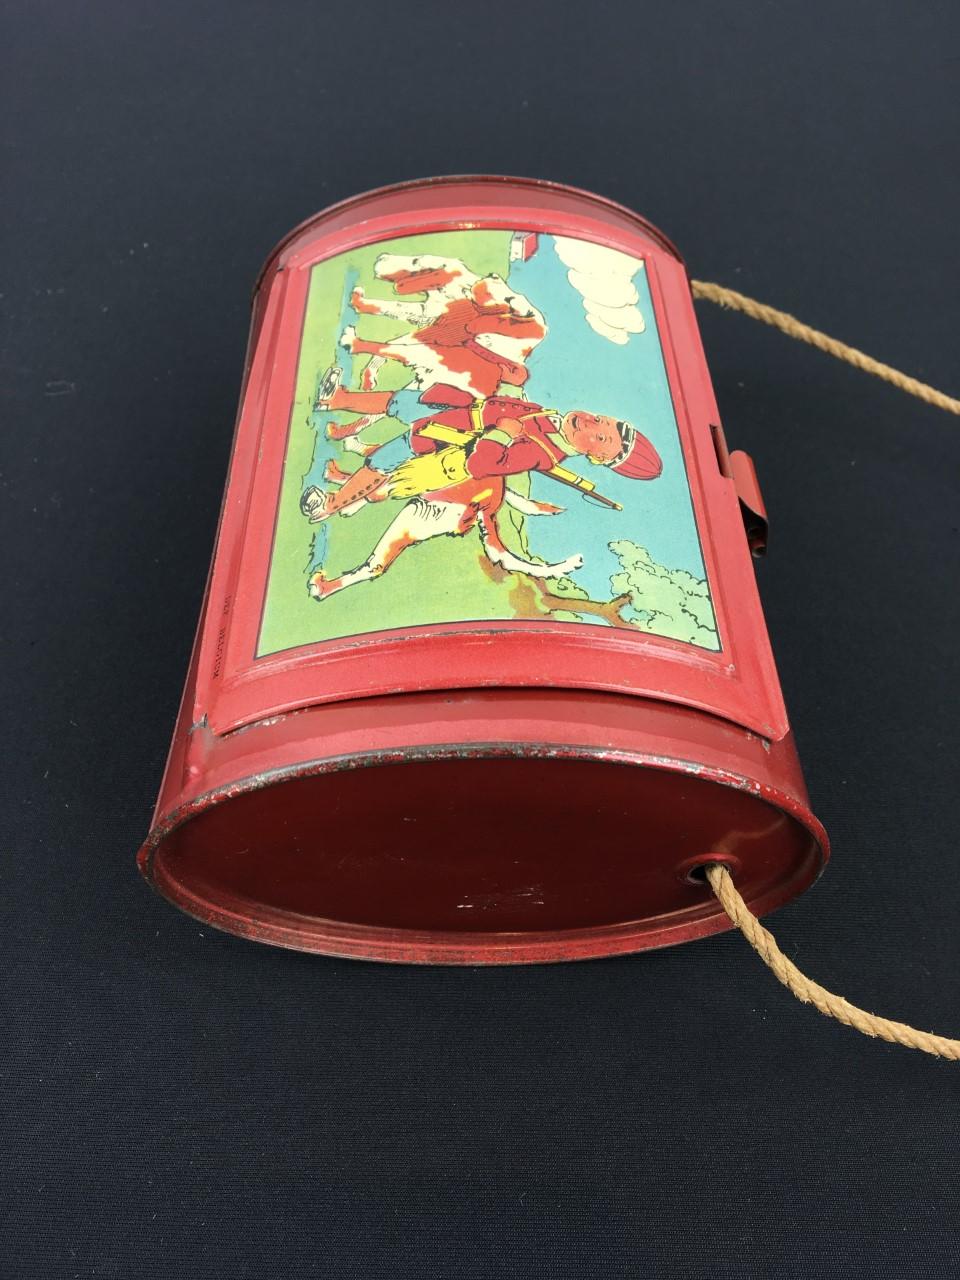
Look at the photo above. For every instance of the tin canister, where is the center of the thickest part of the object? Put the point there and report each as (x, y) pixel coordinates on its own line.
(481, 674)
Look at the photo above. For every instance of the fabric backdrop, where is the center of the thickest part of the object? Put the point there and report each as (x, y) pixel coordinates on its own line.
(179, 1103)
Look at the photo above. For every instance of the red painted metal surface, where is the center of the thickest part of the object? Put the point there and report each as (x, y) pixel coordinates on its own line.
(478, 792)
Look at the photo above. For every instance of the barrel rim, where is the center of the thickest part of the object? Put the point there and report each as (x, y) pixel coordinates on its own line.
(459, 179)
(391, 944)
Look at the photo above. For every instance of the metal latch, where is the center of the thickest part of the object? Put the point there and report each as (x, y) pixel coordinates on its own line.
(752, 506)
(738, 467)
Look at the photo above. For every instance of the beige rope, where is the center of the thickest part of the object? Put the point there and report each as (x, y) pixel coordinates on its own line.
(796, 329)
(717, 875)
(811, 992)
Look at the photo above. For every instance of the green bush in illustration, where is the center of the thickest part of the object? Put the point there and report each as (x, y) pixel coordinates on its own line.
(665, 602)
(645, 596)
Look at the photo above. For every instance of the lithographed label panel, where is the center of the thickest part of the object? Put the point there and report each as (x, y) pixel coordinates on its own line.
(483, 430)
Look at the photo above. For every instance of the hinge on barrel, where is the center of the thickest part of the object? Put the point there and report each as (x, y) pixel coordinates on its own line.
(738, 467)
(752, 507)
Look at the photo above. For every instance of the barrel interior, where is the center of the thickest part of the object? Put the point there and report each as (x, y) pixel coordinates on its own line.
(479, 859)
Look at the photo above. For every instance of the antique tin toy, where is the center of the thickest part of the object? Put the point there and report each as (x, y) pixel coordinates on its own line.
(481, 674)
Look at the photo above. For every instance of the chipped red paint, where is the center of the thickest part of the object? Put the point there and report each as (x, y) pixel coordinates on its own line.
(487, 792)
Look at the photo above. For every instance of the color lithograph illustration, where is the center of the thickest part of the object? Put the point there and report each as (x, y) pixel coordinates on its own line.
(483, 430)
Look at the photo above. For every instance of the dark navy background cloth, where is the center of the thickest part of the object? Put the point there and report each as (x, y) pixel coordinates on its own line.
(177, 1103)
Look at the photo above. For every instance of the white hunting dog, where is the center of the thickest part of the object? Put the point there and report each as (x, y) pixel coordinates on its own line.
(472, 332)
(460, 508)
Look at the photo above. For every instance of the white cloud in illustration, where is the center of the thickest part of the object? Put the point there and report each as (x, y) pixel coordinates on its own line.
(604, 279)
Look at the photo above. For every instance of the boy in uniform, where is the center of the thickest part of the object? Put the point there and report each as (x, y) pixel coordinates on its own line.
(467, 438)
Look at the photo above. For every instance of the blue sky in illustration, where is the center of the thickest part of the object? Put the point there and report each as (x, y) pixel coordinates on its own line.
(574, 367)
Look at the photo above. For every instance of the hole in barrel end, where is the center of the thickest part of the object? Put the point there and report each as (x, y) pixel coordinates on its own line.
(694, 870)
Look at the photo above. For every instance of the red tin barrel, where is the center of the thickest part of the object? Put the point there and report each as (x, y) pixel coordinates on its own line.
(481, 674)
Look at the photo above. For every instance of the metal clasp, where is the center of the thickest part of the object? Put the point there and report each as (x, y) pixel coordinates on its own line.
(738, 467)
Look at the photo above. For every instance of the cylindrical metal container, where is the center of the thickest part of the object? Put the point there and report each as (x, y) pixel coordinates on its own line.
(481, 674)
